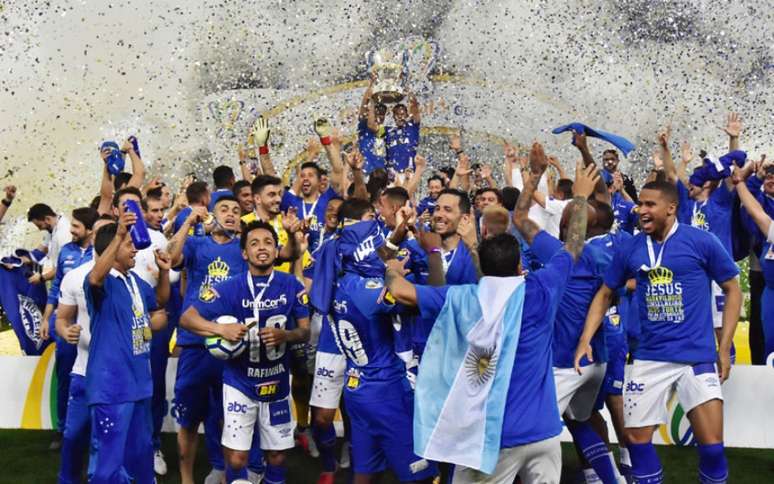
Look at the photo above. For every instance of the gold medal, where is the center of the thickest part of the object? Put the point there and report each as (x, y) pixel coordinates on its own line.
(137, 311)
(147, 334)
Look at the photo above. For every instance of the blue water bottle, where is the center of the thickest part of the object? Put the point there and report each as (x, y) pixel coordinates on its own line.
(115, 160)
(135, 144)
(139, 231)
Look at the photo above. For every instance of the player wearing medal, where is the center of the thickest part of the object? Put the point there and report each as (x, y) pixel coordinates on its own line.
(403, 138)
(674, 265)
(123, 310)
(256, 384)
(207, 261)
(370, 130)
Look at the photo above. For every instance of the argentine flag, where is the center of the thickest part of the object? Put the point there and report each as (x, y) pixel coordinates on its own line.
(465, 373)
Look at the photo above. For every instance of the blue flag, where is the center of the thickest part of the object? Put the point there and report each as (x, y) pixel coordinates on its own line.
(22, 303)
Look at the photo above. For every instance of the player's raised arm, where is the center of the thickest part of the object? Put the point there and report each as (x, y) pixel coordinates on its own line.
(105, 261)
(402, 290)
(138, 167)
(538, 163)
(753, 207)
(580, 141)
(599, 306)
(586, 178)
(670, 171)
(261, 134)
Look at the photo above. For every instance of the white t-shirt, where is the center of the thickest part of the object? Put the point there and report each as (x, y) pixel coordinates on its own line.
(145, 260)
(548, 218)
(71, 293)
(58, 238)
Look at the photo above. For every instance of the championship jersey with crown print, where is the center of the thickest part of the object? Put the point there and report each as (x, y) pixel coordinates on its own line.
(673, 296)
(207, 263)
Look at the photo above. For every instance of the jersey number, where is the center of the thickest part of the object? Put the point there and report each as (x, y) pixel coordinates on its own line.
(272, 352)
(349, 342)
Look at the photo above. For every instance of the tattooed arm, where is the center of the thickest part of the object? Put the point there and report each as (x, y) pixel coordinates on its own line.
(586, 179)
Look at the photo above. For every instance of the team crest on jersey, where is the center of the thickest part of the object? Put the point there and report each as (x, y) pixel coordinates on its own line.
(699, 220)
(480, 364)
(208, 294)
(615, 319)
(402, 253)
(31, 318)
(373, 284)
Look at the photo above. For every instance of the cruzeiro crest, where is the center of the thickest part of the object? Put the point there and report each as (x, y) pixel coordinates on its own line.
(480, 364)
(30, 316)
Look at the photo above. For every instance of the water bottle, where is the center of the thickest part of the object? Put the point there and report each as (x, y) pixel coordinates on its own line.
(135, 145)
(115, 160)
(139, 231)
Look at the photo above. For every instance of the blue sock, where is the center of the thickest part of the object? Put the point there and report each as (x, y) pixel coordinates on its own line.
(646, 468)
(713, 467)
(594, 450)
(234, 474)
(275, 474)
(326, 444)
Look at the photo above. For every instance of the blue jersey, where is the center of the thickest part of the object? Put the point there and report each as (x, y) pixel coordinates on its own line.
(207, 263)
(767, 258)
(261, 372)
(371, 146)
(119, 369)
(70, 256)
(531, 413)
(585, 280)
(402, 146)
(362, 325)
(625, 213)
(712, 215)
(314, 212)
(196, 230)
(674, 298)
(427, 204)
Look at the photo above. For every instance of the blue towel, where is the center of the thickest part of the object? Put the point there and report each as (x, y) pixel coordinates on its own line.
(714, 170)
(619, 142)
(465, 373)
(354, 250)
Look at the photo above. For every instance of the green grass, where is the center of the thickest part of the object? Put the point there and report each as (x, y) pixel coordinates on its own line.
(25, 458)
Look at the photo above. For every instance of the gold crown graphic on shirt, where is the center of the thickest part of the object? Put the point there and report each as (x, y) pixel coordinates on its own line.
(218, 268)
(699, 220)
(660, 276)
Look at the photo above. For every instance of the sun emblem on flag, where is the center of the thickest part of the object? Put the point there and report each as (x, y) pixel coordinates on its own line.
(480, 364)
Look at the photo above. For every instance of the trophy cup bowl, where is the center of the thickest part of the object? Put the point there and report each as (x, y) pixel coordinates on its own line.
(388, 70)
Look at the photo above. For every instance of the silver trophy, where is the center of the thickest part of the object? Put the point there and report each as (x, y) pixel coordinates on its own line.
(390, 68)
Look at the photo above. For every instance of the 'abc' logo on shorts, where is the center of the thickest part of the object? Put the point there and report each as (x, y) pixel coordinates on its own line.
(236, 407)
(635, 387)
(324, 372)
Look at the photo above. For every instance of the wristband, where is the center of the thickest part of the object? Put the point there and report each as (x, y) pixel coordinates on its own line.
(263, 150)
(325, 140)
(459, 152)
(390, 245)
(435, 250)
(242, 162)
(5, 202)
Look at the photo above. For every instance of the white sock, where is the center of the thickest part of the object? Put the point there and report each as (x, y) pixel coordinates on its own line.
(591, 476)
(615, 466)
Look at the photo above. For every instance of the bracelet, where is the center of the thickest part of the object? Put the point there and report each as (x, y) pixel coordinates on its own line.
(435, 250)
(6, 202)
(263, 150)
(242, 162)
(390, 245)
(325, 140)
(459, 152)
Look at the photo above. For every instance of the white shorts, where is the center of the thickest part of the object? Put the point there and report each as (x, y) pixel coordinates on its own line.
(328, 382)
(576, 394)
(649, 385)
(539, 463)
(242, 414)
